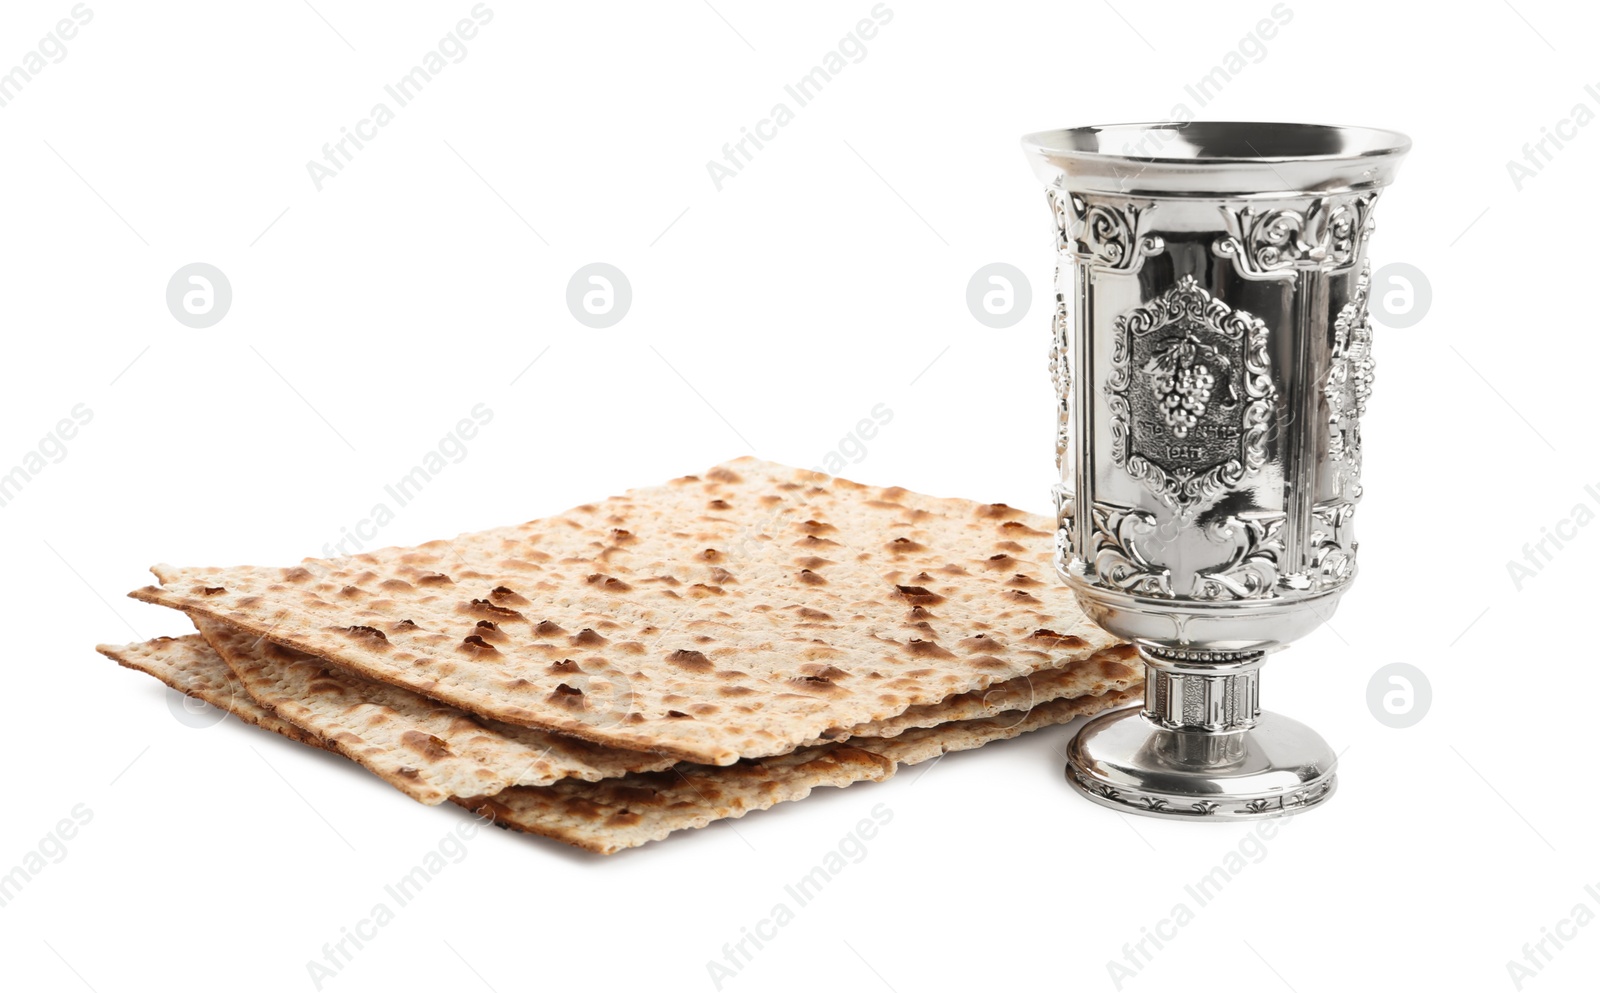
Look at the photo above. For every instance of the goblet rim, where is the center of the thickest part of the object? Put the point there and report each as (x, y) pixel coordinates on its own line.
(1216, 158)
(1257, 137)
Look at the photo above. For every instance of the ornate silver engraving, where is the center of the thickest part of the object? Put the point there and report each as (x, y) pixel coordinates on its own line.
(1252, 571)
(1064, 524)
(1349, 384)
(1332, 549)
(1120, 537)
(1119, 562)
(1104, 233)
(1061, 374)
(1194, 421)
(1216, 435)
(1328, 235)
(1270, 805)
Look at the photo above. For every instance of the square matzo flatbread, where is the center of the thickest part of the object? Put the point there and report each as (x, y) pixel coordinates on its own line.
(631, 810)
(737, 614)
(428, 750)
(432, 751)
(614, 814)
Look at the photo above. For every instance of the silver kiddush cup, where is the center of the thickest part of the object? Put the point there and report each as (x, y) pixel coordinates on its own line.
(1212, 361)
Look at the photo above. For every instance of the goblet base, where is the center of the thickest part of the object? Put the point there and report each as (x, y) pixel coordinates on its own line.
(1277, 767)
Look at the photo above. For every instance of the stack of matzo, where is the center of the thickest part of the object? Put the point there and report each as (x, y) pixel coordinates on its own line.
(658, 660)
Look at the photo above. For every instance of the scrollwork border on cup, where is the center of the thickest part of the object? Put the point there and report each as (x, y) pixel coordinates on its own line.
(1252, 572)
(1329, 235)
(1103, 233)
(1114, 535)
(1065, 505)
(1332, 555)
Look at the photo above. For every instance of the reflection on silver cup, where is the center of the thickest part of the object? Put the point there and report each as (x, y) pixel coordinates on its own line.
(1211, 304)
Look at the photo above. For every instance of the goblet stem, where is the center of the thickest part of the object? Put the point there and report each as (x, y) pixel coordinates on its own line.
(1202, 691)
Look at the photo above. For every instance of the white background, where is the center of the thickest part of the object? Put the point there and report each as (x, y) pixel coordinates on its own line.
(828, 277)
